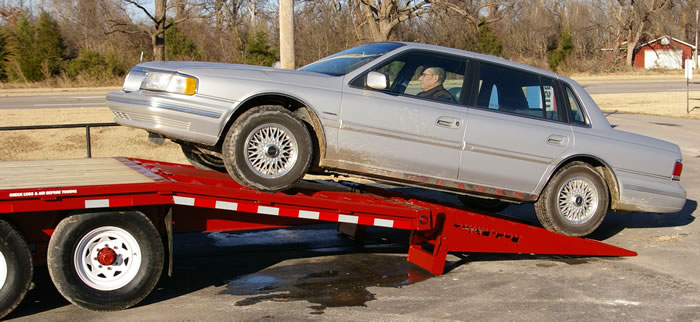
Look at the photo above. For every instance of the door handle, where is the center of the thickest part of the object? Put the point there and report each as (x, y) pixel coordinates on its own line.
(557, 140)
(449, 122)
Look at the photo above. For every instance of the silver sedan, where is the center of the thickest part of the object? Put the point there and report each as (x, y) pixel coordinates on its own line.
(491, 130)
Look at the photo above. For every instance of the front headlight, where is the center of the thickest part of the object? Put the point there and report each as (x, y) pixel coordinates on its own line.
(169, 82)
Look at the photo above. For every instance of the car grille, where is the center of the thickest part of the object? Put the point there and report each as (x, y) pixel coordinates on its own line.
(121, 115)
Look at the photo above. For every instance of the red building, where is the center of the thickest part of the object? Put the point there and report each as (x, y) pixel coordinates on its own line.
(663, 52)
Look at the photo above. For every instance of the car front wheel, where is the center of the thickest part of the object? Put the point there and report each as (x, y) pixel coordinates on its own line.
(574, 202)
(268, 149)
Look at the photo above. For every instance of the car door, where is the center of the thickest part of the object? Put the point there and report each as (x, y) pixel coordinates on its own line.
(516, 130)
(395, 133)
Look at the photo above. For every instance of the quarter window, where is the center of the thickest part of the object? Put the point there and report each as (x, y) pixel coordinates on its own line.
(576, 111)
(516, 92)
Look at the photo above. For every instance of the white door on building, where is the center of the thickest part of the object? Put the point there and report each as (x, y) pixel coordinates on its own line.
(663, 58)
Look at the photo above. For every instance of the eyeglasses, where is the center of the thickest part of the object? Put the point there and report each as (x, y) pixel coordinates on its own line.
(426, 74)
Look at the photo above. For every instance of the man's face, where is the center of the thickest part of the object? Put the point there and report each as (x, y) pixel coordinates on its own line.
(428, 80)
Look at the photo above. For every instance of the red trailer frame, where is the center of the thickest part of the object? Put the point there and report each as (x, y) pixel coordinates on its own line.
(169, 193)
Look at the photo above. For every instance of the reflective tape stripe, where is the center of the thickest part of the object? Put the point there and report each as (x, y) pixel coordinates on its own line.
(263, 210)
(309, 214)
(384, 223)
(185, 201)
(226, 205)
(348, 219)
(100, 203)
(274, 211)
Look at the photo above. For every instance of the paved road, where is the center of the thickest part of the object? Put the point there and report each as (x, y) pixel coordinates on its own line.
(637, 87)
(312, 273)
(88, 99)
(97, 98)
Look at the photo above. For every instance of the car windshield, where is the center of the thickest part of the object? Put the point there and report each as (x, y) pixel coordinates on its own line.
(348, 60)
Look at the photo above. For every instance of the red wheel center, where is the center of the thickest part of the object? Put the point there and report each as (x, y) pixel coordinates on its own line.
(106, 256)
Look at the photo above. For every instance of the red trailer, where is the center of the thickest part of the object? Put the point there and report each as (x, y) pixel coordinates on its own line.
(105, 226)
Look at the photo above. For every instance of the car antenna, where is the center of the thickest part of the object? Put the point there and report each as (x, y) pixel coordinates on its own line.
(141, 59)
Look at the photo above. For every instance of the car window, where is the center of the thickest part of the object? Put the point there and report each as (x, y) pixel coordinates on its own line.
(516, 92)
(576, 111)
(425, 75)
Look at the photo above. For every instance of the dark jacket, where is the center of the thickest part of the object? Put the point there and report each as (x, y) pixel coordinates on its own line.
(437, 93)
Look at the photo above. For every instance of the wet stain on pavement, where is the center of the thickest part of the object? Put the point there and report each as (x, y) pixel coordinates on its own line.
(568, 261)
(327, 282)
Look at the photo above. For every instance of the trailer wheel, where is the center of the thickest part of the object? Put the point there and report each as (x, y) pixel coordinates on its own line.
(15, 268)
(267, 148)
(574, 202)
(105, 261)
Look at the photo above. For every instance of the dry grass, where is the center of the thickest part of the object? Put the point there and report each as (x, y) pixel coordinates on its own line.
(661, 103)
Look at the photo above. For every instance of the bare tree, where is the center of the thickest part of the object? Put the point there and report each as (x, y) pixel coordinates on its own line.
(472, 10)
(635, 19)
(382, 16)
(158, 18)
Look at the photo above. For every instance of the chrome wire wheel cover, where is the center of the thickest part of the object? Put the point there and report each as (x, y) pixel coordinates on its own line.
(107, 258)
(577, 200)
(3, 270)
(271, 150)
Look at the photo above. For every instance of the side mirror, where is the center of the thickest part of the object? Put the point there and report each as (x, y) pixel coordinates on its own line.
(377, 80)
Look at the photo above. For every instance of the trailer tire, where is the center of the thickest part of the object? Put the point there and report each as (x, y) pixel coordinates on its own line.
(105, 261)
(268, 149)
(15, 268)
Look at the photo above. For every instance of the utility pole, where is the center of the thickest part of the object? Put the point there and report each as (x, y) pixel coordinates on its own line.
(695, 58)
(286, 13)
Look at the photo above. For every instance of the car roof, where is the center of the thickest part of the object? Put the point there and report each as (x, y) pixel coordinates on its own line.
(482, 57)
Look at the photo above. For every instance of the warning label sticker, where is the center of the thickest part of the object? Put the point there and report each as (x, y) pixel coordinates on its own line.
(43, 193)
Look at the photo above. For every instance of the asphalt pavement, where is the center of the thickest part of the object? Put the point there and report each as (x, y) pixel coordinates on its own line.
(313, 273)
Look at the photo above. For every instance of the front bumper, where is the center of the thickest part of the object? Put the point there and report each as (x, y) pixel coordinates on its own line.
(197, 119)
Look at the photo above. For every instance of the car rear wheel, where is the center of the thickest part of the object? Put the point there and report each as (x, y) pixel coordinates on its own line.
(202, 160)
(574, 202)
(267, 148)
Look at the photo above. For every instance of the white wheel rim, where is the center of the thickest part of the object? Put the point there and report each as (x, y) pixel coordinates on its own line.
(271, 150)
(3, 270)
(578, 200)
(100, 275)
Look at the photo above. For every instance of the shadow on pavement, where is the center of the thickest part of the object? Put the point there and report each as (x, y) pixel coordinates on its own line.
(616, 222)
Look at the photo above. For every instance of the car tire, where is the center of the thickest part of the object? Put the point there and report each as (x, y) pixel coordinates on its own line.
(268, 149)
(105, 261)
(483, 204)
(15, 268)
(202, 160)
(574, 202)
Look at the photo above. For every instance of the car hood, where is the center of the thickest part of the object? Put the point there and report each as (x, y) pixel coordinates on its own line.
(204, 69)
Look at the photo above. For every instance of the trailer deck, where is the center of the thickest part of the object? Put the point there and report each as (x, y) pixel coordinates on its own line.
(40, 198)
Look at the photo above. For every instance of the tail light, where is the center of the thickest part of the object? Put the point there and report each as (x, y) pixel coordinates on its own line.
(677, 169)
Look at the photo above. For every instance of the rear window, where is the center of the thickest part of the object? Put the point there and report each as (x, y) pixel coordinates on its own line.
(516, 92)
